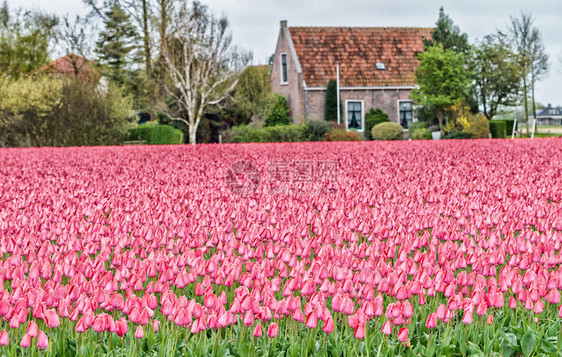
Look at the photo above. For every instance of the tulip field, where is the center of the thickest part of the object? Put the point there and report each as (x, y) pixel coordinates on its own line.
(419, 248)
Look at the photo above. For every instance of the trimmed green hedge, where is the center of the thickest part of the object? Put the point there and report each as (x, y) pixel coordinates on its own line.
(458, 135)
(271, 134)
(509, 124)
(156, 134)
(497, 128)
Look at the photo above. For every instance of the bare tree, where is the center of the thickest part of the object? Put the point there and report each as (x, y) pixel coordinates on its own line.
(202, 66)
(532, 56)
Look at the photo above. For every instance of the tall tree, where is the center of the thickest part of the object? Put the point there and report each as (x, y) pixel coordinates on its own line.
(116, 43)
(442, 80)
(253, 92)
(202, 66)
(531, 54)
(331, 103)
(448, 34)
(26, 39)
(496, 74)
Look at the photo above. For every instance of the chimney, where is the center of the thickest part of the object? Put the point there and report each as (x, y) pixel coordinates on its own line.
(283, 24)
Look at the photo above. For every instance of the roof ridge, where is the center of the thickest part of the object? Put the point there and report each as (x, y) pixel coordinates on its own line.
(362, 27)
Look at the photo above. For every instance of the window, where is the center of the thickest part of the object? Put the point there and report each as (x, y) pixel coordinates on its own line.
(284, 77)
(355, 115)
(406, 114)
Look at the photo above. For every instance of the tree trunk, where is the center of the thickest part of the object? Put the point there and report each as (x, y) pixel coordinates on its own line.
(440, 119)
(526, 104)
(192, 134)
(148, 59)
(163, 26)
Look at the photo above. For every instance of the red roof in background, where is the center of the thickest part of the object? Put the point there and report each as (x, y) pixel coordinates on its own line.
(71, 65)
(358, 49)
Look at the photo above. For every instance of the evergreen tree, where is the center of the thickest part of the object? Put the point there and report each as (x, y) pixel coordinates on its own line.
(331, 104)
(116, 44)
(448, 34)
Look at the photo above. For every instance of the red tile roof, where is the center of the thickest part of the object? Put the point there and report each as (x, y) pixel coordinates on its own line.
(72, 66)
(358, 49)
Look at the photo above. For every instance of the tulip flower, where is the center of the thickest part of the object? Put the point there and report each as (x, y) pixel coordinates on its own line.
(42, 340)
(387, 328)
(272, 330)
(139, 333)
(360, 332)
(258, 331)
(4, 338)
(403, 334)
(25, 341)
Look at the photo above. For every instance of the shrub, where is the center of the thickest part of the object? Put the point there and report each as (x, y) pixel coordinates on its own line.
(479, 126)
(284, 133)
(372, 118)
(280, 112)
(156, 134)
(388, 131)
(497, 128)
(52, 111)
(458, 135)
(340, 134)
(418, 131)
(316, 130)
(280, 133)
(420, 134)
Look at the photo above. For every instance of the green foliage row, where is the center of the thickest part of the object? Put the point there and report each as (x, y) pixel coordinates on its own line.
(498, 129)
(509, 124)
(458, 135)
(49, 111)
(156, 134)
(280, 133)
(387, 131)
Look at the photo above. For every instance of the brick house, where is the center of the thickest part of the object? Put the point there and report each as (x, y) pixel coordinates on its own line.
(376, 64)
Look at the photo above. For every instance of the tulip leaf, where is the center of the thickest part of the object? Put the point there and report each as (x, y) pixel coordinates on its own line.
(528, 343)
(548, 347)
(554, 329)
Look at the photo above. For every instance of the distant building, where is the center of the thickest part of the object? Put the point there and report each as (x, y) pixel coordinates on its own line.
(73, 66)
(549, 116)
(377, 70)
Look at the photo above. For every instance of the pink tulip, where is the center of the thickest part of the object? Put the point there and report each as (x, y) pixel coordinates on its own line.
(139, 333)
(42, 340)
(328, 325)
(387, 328)
(4, 338)
(25, 341)
(311, 320)
(359, 332)
(431, 321)
(258, 331)
(272, 330)
(155, 325)
(32, 328)
(51, 318)
(403, 334)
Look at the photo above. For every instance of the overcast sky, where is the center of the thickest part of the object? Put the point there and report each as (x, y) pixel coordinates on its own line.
(255, 23)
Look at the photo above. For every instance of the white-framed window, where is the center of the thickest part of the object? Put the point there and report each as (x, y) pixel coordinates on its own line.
(405, 113)
(284, 73)
(354, 118)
